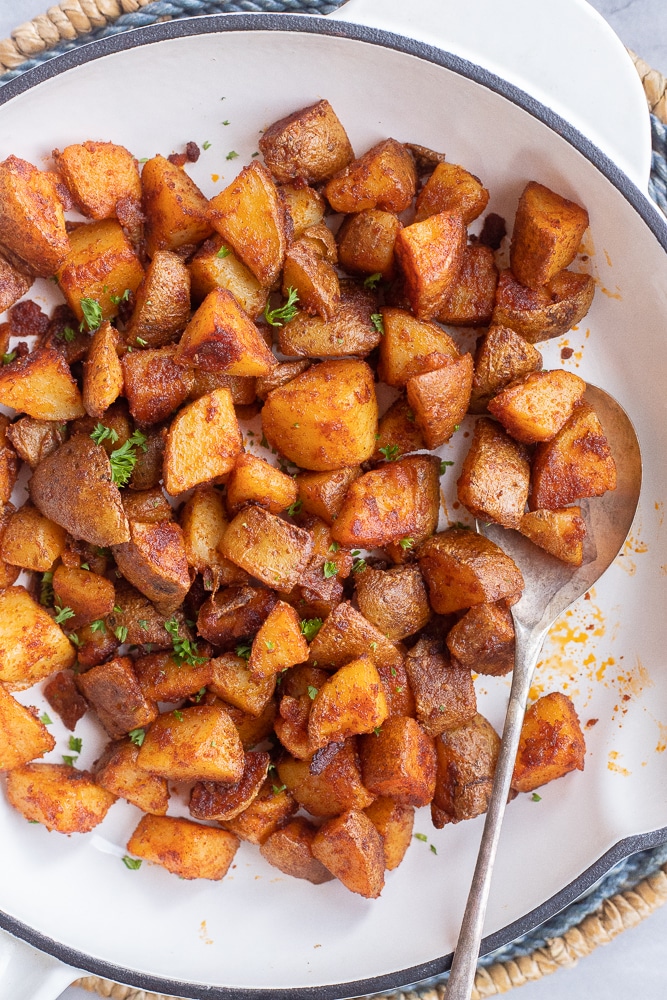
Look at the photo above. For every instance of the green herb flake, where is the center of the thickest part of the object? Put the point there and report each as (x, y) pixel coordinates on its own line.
(134, 864)
(391, 452)
(184, 651)
(406, 543)
(75, 743)
(444, 466)
(85, 566)
(243, 652)
(378, 324)
(312, 692)
(117, 610)
(200, 694)
(46, 719)
(374, 646)
(92, 314)
(226, 122)
(67, 334)
(140, 341)
(63, 615)
(117, 299)
(143, 624)
(372, 280)
(121, 633)
(101, 433)
(377, 730)
(277, 789)
(269, 645)
(8, 358)
(421, 836)
(178, 715)
(461, 526)
(98, 626)
(433, 848)
(358, 565)
(393, 672)
(46, 596)
(137, 736)
(329, 569)
(124, 459)
(232, 155)
(223, 252)
(74, 639)
(334, 547)
(310, 627)
(254, 155)
(206, 145)
(294, 508)
(284, 313)
(535, 797)
(70, 761)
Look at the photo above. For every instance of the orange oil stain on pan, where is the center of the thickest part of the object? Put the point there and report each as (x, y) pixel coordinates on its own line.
(614, 766)
(215, 178)
(608, 259)
(660, 511)
(661, 745)
(611, 295)
(203, 933)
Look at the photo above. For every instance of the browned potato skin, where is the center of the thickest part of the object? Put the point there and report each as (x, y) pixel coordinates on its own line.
(221, 337)
(268, 811)
(210, 800)
(330, 790)
(233, 613)
(349, 330)
(467, 758)
(304, 205)
(430, 255)
(89, 595)
(394, 600)
(64, 698)
(547, 312)
(175, 209)
(155, 384)
(162, 302)
(196, 744)
(154, 560)
(162, 679)
(253, 729)
(148, 470)
(444, 692)
(537, 407)
(501, 357)
(313, 278)
(551, 743)
(233, 682)
(241, 387)
(102, 372)
(346, 635)
(450, 188)
(58, 796)
(280, 375)
(390, 503)
(98, 175)
(31, 540)
(208, 270)
(399, 762)
(462, 568)
(32, 646)
(483, 640)
(32, 221)
(117, 771)
(335, 408)
(267, 547)
(366, 243)
(397, 429)
(13, 284)
(351, 848)
(202, 444)
(113, 691)
(323, 493)
(440, 399)
(252, 480)
(135, 608)
(559, 532)
(310, 144)
(150, 506)
(204, 521)
(35, 439)
(41, 385)
(279, 643)
(547, 232)
(385, 177)
(8, 573)
(470, 299)
(495, 476)
(22, 736)
(394, 823)
(186, 849)
(411, 346)
(290, 849)
(350, 702)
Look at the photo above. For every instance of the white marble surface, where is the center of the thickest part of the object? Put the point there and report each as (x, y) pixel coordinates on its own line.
(636, 962)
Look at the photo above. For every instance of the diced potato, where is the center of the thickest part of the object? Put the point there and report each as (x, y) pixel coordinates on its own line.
(161, 678)
(221, 337)
(254, 729)
(321, 240)
(162, 302)
(559, 532)
(113, 691)
(117, 771)
(145, 625)
(202, 444)
(233, 613)
(575, 463)
(31, 540)
(268, 811)
(41, 385)
(313, 279)
(8, 573)
(305, 206)
(250, 217)
(241, 387)
(216, 266)
(22, 735)
(196, 744)
(440, 399)
(310, 145)
(323, 493)
(98, 175)
(233, 682)
(176, 210)
(547, 232)
(351, 701)
(148, 468)
(212, 800)
(483, 640)
(32, 646)
(332, 787)
(283, 373)
(495, 476)
(154, 560)
(267, 547)
(184, 848)
(394, 823)
(13, 285)
(204, 522)
(501, 357)
(544, 313)
(349, 330)
(551, 743)
(253, 480)
(430, 255)
(346, 635)
(334, 394)
(385, 177)
(411, 346)
(398, 433)
(444, 692)
(279, 643)
(467, 757)
(32, 221)
(450, 188)
(150, 506)
(155, 384)
(462, 568)
(35, 439)
(102, 373)
(470, 299)
(89, 595)
(58, 796)
(536, 408)
(399, 762)
(64, 697)
(351, 848)
(394, 600)
(366, 243)
(290, 849)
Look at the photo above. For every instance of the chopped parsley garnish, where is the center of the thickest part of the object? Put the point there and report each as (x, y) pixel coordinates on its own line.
(63, 615)
(124, 459)
(294, 508)
(378, 324)
(121, 633)
(358, 565)
(45, 719)
(46, 590)
(117, 299)
(232, 155)
(75, 743)
(372, 280)
(101, 433)
(284, 313)
(277, 789)
(137, 736)
(312, 692)
(200, 694)
(223, 252)
(444, 466)
(143, 624)
(243, 651)
(178, 715)
(140, 341)
(391, 452)
(310, 627)
(74, 639)
(92, 314)
(8, 358)
(206, 145)
(134, 864)
(334, 547)
(329, 569)
(406, 543)
(433, 848)
(98, 626)
(535, 797)
(184, 651)
(70, 761)
(377, 730)
(421, 836)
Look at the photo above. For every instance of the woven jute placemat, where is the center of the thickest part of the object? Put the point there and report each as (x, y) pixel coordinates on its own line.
(637, 886)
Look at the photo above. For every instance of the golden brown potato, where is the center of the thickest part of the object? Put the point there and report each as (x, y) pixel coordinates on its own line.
(450, 188)
(320, 239)
(411, 346)
(65, 699)
(203, 522)
(113, 691)
(13, 284)
(267, 811)
(117, 771)
(162, 678)
(470, 299)
(147, 471)
(290, 849)
(551, 744)
(559, 532)
(350, 702)
(154, 560)
(216, 266)
(22, 735)
(329, 788)
(398, 433)
(202, 444)
(280, 375)
(241, 387)
(102, 372)
(31, 540)
(323, 493)
(394, 600)
(346, 635)
(150, 506)
(325, 418)
(394, 823)
(444, 693)
(162, 302)
(89, 595)
(184, 848)
(467, 758)
(501, 357)
(98, 175)
(495, 476)
(58, 796)
(35, 439)
(41, 385)
(233, 613)
(304, 205)
(544, 313)
(210, 800)
(221, 337)
(385, 177)
(399, 762)
(349, 330)
(175, 209)
(366, 243)
(547, 232)
(32, 646)
(233, 682)
(267, 547)
(8, 573)
(536, 408)
(351, 848)
(279, 643)
(312, 278)
(483, 640)
(462, 568)
(144, 624)
(310, 145)
(32, 221)
(193, 744)
(252, 480)
(430, 255)
(440, 399)
(155, 384)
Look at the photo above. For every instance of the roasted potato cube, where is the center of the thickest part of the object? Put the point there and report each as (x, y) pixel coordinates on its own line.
(536, 408)
(313, 279)
(35, 439)
(385, 177)
(351, 848)
(234, 613)
(113, 691)
(346, 635)
(394, 600)
(444, 692)
(547, 232)
(216, 266)
(8, 573)
(13, 285)
(31, 540)
(136, 614)
(267, 811)
(98, 175)
(351, 701)
(399, 762)
(575, 463)
(467, 757)
(203, 522)
(332, 787)
(150, 506)
(323, 493)
(89, 595)
(502, 356)
(462, 569)
(176, 210)
(155, 384)
(320, 239)
(279, 376)
(398, 433)
(117, 771)
(253, 729)
(349, 330)
(450, 188)
(483, 640)
(366, 243)
(233, 682)
(440, 399)
(470, 299)
(196, 744)
(290, 849)
(211, 800)
(394, 823)
(250, 217)
(162, 678)
(58, 796)
(241, 387)
(559, 532)
(546, 312)
(267, 547)
(310, 145)
(101, 266)
(32, 646)
(430, 255)
(221, 337)
(147, 471)
(304, 205)
(551, 743)
(64, 698)
(22, 735)
(41, 385)
(279, 643)
(102, 372)
(253, 480)
(32, 222)
(495, 476)
(162, 302)
(411, 346)
(202, 444)
(184, 848)
(154, 560)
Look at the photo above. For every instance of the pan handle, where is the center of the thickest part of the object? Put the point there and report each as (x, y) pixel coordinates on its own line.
(28, 974)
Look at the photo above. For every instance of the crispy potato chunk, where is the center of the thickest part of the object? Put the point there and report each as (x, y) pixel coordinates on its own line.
(351, 701)
(176, 210)
(202, 444)
(253, 480)
(462, 569)
(394, 600)
(268, 811)
(444, 692)
(430, 255)
(216, 266)
(35, 439)
(559, 532)
(279, 643)
(41, 385)
(184, 848)
(89, 595)
(470, 299)
(204, 522)
(544, 313)
(310, 144)
(98, 175)
(150, 506)
(313, 278)
(196, 744)
(233, 613)
(154, 560)
(161, 678)
(102, 373)
(145, 625)
(304, 205)
(346, 635)
(483, 640)
(366, 243)
(411, 346)
(575, 463)
(440, 399)
(162, 302)
(64, 697)
(495, 476)
(537, 407)
(241, 387)
(58, 796)
(211, 800)
(501, 357)
(398, 433)
(31, 540)
(291, 850)
(32, 646)
(334, 407)
(394, 823)
(233, 682)
(113, 691)
(267, 547)
(547, 232)
(32, 221)
(8, 573)
(22, 735)
(467, 757)
(13, 284)
(450, 188)
(385, 177)
(551, 744)
(331, 787)
(221, 337)
(349, 330)
(155, 384)
(351, 848)
(399, 762)
(117, 771)
(323, 493)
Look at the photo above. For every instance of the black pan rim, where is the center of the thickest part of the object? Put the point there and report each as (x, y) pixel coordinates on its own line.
(309, 24)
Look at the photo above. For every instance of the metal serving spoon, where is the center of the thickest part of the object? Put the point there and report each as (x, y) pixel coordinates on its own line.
(551, 586)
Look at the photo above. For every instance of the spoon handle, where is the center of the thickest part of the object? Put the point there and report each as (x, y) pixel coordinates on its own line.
(462, 976)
